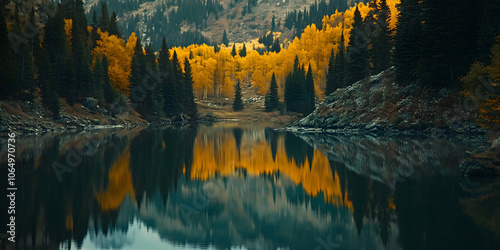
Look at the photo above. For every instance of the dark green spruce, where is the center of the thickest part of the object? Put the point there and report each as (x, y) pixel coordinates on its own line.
(272, 98)
(188, 95)
(238, 103)
(358, 64)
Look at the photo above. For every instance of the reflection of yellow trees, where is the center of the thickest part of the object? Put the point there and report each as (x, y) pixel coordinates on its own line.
(219, 154)
(69, 221)
(120, 184)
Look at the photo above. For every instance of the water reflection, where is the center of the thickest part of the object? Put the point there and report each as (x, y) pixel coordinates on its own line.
(226, 187)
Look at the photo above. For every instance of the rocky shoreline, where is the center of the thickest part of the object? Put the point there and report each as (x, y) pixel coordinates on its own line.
(379, 105)
(24, 117)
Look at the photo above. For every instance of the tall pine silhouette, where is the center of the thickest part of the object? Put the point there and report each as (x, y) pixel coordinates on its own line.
(188, 95)
(336, 69)
(171, 105)
(310, 94)
(381, 43)
(358, 65)
(408, 37)
(238, 103)
(272, 98)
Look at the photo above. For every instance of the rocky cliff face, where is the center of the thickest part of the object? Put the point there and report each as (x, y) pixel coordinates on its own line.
(380, 104)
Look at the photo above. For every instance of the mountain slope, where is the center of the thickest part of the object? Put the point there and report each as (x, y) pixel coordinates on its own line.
(244, 20)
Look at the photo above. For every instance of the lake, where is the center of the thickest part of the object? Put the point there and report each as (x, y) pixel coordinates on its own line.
(229, 187)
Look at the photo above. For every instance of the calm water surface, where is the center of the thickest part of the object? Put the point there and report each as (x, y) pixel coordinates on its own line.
(226, 187)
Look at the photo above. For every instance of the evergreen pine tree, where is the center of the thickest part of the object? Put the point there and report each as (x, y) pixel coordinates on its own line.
(136, 67)
(188, 96)
(94, 35)
(81, 62)
(330, 78)
(433, 67)
(276, 46)
(339, 66)
(171, 105)
(138, 93)
(110, 93)
(233, 51)
(357, 53)
(407, 42)
(104, 21)
(57, 47)
(272, 99)
(8, 69)
(27, 80)
(485, 40)
(238, 103)
(152, 84)
(243, 51)
(46, 79)
(381, 43)
(371, 29)
(78, 78)
(310, 94)
(294, 88)
(336, 69)
(273, 24)
(449, 40)
(96, 86)
(179, 80)
(225, 40)
(113, 26)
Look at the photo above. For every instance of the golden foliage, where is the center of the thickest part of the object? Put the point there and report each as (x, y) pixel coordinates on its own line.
(119, 56)
(216, 73)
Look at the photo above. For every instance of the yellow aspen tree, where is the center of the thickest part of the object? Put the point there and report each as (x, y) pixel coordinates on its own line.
(119, 56)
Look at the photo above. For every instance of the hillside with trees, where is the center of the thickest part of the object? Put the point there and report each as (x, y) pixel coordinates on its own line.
(431, 44)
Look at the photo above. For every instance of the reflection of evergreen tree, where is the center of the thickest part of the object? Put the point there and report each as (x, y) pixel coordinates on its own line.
(238, 132)
(357, 188)
(272, 140)
(157, 160)
(380, 208)
(188, 138)
(341, 172)
(298, 150)
(409, 215)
